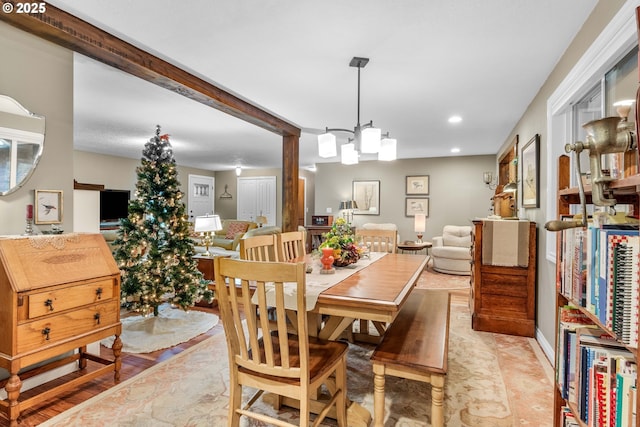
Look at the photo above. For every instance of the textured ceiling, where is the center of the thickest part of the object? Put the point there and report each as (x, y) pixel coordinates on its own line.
(482, 60)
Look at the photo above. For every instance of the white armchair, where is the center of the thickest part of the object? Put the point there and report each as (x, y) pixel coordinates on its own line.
(451, 252)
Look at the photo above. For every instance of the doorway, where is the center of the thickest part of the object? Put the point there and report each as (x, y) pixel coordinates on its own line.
(200, 198)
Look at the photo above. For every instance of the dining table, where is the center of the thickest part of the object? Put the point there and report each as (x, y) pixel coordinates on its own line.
(375, 292)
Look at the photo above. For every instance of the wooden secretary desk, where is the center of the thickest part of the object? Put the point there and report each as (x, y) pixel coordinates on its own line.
(58, 293)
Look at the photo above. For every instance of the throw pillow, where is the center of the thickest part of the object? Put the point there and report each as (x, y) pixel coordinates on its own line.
(235, 228)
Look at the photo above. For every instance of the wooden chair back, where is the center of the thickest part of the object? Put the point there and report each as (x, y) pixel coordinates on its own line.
(292, 245)
(378, 240)
(260, 288)
(263, 354)
(260, 248)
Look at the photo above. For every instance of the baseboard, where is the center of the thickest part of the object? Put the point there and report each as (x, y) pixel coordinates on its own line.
(545, 346)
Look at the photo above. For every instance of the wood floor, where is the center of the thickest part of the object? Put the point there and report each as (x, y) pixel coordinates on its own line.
(132, 364)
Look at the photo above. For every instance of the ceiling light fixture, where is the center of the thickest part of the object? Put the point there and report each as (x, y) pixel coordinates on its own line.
(238, 170)
(366, 138)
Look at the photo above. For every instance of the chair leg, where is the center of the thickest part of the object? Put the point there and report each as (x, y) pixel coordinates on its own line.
(305, 407)
(235, 400)
(341, 386)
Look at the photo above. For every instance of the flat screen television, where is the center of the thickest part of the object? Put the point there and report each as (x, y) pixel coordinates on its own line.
(114, 204)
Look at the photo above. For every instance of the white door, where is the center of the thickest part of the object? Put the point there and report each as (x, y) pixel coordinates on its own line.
(200, 197)
(257, 196)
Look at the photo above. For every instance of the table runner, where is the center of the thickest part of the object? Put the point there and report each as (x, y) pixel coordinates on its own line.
(317, 283)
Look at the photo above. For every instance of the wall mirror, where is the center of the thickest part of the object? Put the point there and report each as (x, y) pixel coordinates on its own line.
(21, 144)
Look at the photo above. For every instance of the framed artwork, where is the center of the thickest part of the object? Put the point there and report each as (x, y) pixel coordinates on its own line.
(416, 205)
(48, 207)
(417, 184)
(530, 173)
(367, 196)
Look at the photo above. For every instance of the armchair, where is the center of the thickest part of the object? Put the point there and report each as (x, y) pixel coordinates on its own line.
(451, 252)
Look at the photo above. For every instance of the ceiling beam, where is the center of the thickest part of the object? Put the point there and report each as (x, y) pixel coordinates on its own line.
(64, 29)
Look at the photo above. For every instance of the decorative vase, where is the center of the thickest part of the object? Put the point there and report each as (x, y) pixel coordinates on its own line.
(327, 261)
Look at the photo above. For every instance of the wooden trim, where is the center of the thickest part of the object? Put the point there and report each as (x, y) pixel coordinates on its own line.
(64, 29)
(80, 186)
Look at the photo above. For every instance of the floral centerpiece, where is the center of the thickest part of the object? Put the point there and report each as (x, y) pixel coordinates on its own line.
(342, 240)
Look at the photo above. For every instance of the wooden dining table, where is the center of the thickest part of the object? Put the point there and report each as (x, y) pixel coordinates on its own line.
(375, 293)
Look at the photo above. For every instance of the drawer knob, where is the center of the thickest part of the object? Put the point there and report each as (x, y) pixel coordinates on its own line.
(96, 317)
(46, 332)
(99, 293)
(49, 303)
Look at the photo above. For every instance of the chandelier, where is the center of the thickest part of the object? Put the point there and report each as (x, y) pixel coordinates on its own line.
(366, 138)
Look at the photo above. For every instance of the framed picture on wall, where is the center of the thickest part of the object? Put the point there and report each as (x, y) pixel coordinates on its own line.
(416, 205)
(48, 207)
(366, 194)
(417, 184)
(530, 173)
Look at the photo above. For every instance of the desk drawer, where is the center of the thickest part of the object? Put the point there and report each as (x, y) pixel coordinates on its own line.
(33, 335)
(55, 301)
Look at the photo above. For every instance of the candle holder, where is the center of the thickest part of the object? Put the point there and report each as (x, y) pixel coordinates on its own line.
(28, 231)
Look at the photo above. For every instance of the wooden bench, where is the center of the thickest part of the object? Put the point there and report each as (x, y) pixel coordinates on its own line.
(415, 347)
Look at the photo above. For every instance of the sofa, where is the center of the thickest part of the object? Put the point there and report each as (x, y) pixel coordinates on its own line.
(232, 231)
(451, 252)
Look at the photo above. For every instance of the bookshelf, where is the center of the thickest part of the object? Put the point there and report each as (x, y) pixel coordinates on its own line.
(626, 191)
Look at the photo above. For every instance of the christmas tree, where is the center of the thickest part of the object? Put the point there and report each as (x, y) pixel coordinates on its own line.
(154, 250)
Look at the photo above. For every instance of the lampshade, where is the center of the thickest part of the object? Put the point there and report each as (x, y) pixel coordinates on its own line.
(387, 149)
(349, 155)
(370, 140)
(327, 145)
(261, 219)
(487, 177)
(207, 223)
(419, 223)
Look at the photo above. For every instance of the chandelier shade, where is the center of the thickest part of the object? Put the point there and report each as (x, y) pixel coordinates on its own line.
(366, 139)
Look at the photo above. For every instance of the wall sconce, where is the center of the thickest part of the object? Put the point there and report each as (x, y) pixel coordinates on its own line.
(419, 225)
(487, 177)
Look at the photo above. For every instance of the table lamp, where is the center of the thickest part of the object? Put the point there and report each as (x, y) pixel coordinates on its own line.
(205, 225)
(419, 225)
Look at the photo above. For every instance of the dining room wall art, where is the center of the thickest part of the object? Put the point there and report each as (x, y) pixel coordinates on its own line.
(417, 185)
(367, 196)
(416, 205)
(530, 173)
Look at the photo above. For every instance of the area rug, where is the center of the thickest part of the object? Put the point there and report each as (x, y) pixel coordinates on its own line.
(431, 279)
(191, 389)
(172, 326)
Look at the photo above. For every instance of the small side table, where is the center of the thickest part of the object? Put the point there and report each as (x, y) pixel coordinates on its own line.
(414, 247)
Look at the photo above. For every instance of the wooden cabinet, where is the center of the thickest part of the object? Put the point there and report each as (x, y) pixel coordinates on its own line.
(58, 293)
(625, 191)
(503, 299)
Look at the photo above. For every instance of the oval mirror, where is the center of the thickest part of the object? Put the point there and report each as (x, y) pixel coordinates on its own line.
(21, 143)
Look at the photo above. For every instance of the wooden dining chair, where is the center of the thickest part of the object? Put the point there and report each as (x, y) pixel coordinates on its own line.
(292, 245)
(275, 361)
(260, 248)
(378, 240)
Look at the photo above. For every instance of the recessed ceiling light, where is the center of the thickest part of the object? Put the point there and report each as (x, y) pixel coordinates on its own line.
(455, 119)
(455, 150)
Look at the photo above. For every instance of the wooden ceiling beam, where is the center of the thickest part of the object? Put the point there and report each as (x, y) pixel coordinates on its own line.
(64, 29)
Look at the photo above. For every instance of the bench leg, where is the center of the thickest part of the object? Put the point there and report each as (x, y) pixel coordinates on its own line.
(437, 397)
(378, 395)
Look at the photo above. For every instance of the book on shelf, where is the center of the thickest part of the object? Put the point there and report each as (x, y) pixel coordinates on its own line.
(606, 373)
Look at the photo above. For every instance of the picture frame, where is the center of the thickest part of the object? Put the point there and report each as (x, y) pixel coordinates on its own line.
(366, 194)
(416, 205)
(530, 173)
(49, 207)
(417, 185)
